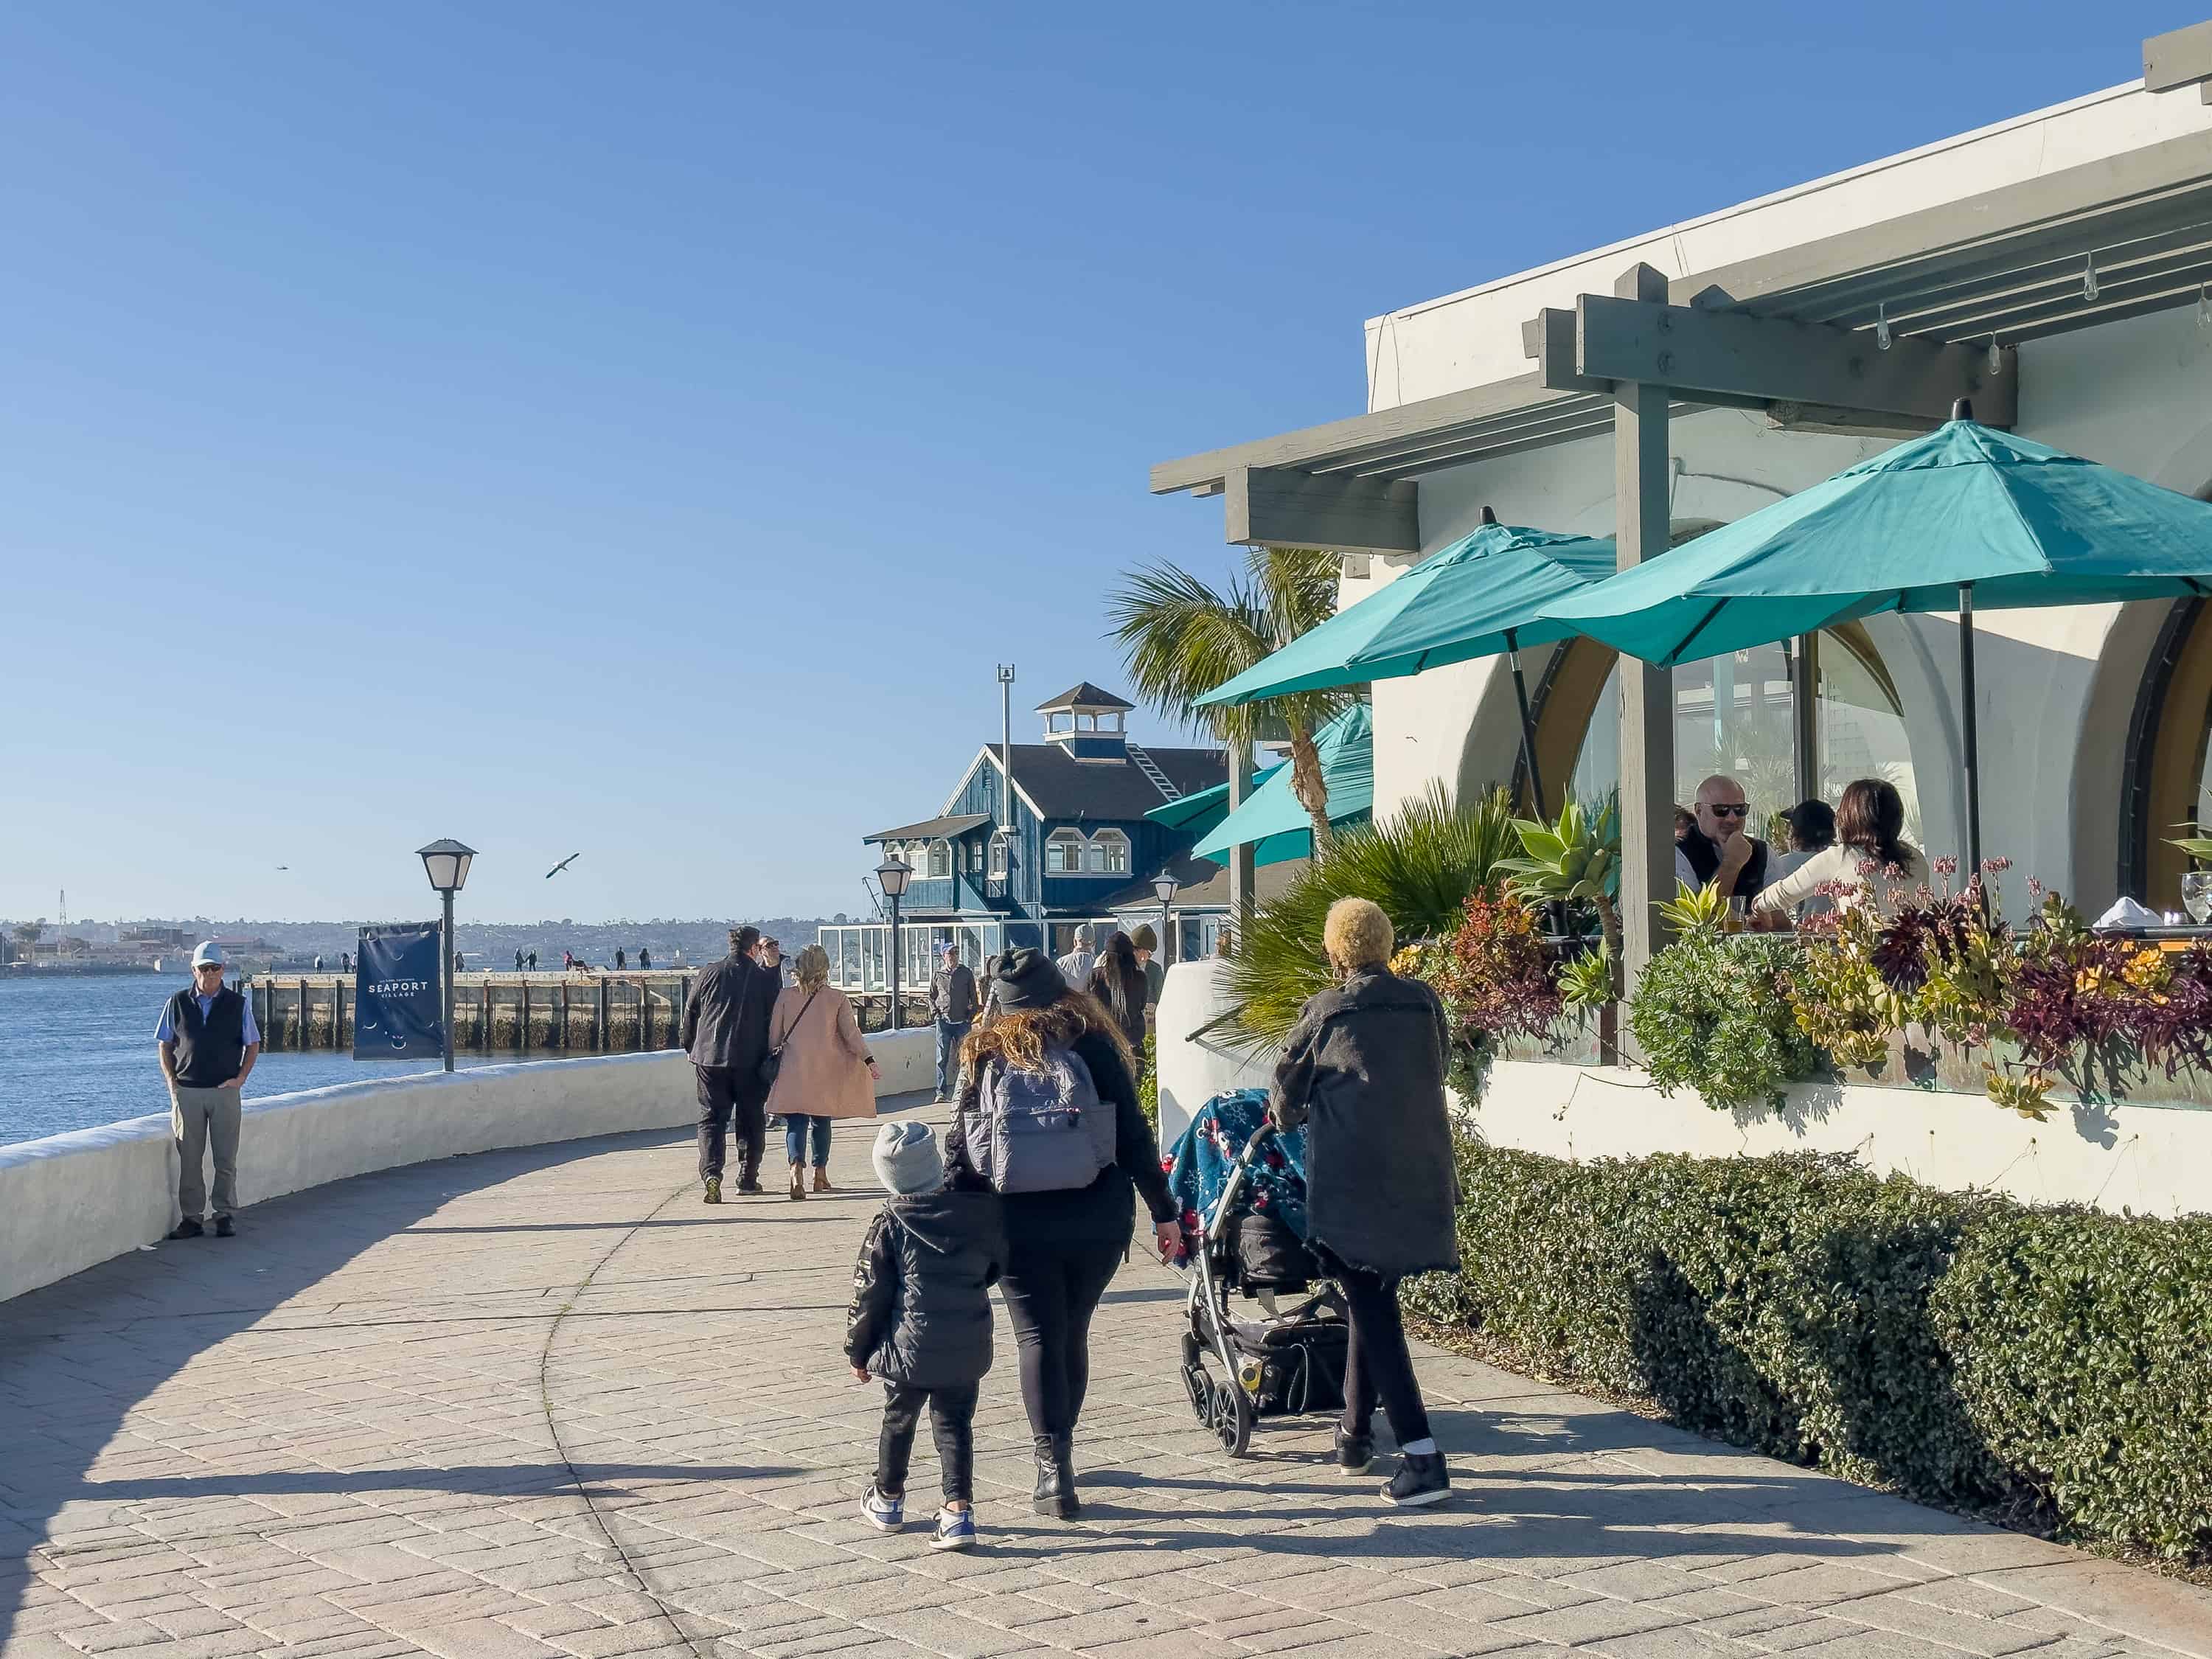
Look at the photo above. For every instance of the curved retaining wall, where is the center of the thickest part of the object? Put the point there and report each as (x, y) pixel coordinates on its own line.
(2151, 1159)
(71, 1201)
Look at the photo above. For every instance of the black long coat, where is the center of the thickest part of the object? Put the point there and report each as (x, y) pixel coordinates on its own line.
(1362, 1073)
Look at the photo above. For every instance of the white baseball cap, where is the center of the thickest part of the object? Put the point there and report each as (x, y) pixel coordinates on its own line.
(210, 954)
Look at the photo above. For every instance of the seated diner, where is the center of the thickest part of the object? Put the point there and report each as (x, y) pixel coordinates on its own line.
(1869, 830)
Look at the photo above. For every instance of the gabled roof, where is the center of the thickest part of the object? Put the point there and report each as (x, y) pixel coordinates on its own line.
(933, 829)
(1204, 887)
(1058, 786)
(1085, 696)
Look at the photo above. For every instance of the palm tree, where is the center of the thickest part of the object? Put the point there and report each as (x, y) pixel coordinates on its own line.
(1182, 638)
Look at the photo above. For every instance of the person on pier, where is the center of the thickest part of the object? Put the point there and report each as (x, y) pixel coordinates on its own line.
(208, 1043)
(725, 1034)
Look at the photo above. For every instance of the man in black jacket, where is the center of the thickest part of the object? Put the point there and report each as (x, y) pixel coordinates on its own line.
(952, 1004)
(208, 1043)
(725, 1033)
(1721, 849)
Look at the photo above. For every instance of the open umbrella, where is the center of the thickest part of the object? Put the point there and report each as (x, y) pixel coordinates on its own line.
(1271, 819)
(1967, 516)
(1201, 811)
(1477, 598)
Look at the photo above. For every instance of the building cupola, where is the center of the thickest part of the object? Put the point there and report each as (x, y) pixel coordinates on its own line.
(1088, 723)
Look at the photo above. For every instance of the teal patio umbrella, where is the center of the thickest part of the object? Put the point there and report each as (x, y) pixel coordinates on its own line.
(1965, 516)
(1477, 598)
(1199, 812)
(1271, 819)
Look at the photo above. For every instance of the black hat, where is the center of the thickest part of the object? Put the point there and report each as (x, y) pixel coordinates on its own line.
(1027, 978)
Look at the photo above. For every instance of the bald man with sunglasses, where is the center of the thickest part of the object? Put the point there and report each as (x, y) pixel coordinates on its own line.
(1721, 849)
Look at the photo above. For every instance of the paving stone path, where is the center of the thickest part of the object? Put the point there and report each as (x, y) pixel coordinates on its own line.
(542, 1403)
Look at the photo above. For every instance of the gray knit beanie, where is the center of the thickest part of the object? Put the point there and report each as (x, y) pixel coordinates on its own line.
(907, 1159)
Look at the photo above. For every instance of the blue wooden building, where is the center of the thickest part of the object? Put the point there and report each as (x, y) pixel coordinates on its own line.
(1034, 839)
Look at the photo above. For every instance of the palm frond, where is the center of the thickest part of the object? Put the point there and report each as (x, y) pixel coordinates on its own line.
(1180, 638)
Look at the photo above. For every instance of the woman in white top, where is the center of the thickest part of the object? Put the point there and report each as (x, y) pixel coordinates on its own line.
(1868, 822)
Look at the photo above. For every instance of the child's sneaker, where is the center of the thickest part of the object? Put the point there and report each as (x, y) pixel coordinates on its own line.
(956, 1530)
(884, 1514)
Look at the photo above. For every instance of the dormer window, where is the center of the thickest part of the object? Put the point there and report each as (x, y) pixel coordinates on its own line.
(1109, 854)
(940, 860)
(998, 857)
(1063, 852)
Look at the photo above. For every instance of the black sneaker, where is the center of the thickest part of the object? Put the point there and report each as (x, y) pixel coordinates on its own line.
(225, 1227)
(188, 1228)
(748, 1186)
(1422, 1479)
(1354, 1452)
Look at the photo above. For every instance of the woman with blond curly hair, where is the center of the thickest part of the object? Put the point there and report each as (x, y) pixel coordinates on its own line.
(1049, 1043)
(1362, 1073)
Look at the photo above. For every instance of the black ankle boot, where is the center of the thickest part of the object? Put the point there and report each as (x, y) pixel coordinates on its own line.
(1354, 1452)
(1421, 1479)
(1055, 1478)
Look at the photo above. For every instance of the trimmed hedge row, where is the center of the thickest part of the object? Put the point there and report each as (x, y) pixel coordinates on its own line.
(2048, 1367)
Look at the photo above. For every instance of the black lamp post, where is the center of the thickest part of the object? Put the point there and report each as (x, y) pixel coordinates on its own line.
(892, 875)
(446, 864)
(1164, 885)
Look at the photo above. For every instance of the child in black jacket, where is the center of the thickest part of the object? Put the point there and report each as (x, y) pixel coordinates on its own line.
(921, 1319)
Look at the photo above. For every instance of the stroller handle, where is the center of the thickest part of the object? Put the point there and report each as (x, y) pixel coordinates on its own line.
(1260, 1137)
(1238, 1172)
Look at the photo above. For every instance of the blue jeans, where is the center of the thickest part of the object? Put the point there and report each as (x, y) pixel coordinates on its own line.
(949, 1036)
(795, 1126)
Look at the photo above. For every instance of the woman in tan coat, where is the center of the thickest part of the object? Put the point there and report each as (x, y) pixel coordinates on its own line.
(826, 1071)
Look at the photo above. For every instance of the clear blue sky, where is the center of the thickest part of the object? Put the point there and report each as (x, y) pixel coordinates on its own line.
(638, 429)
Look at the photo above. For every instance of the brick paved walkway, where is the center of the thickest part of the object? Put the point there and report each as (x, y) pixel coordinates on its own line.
(543, 1403)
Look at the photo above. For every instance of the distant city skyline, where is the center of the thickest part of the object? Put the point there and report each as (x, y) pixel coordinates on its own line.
(639, 432)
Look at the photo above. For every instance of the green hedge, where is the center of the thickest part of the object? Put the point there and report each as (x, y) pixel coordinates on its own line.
(2048, 1367)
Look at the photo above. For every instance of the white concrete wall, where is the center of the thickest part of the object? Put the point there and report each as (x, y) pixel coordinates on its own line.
(2154, 1161)
(71, 1201)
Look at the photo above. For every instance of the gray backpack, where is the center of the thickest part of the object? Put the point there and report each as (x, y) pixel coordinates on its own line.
(1040, 1131)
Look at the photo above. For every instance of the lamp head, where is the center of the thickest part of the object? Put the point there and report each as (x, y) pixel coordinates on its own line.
(446, 864)
(892, 875)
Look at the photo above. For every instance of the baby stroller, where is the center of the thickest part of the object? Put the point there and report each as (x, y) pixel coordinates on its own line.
(1243, 1190)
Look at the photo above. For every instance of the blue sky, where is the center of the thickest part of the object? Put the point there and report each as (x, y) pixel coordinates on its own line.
(638, 430)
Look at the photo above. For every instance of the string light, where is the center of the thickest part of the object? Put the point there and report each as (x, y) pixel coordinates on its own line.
(1996, 357)
(2204, 307)
(2089, 280)
(1882, 326)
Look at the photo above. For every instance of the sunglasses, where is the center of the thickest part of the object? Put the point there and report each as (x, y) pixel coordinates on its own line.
(1723, 810)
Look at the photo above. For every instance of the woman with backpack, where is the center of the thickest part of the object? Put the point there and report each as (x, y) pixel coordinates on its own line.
(822, 1065)
(1048, 1118)
(1118, 981)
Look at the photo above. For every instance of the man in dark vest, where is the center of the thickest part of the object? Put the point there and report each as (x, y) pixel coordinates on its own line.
(208, 1043)
(1721, 849)
(725, 1031)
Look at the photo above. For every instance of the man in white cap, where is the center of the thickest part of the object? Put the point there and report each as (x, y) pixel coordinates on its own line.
(1075, 967)
(208, 1043)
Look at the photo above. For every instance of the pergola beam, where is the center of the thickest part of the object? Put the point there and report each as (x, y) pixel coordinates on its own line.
(1283, 506)
(1731, 355)
(2178, 58)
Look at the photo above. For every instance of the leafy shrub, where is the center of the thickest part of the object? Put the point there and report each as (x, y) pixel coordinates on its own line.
(1148, 1081)
(1709, 1014)
(2044, 1366)
(1495, 981)
(1419, 865)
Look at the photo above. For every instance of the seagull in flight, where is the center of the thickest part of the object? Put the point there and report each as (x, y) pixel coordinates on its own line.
(563, 864)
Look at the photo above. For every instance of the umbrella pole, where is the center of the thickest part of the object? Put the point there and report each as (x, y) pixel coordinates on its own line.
(1968, 732)
(1528, 726)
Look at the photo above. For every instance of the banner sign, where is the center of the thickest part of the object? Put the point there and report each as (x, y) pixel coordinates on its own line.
(397, 1002)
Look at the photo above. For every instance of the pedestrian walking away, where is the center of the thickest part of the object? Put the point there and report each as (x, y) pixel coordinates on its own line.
(1053, 1052)
(1118, 982)
(644, 959)
(1147, 944)
(1362, 1073)
(621, 960)
(533, 961)
(952, 1005)
(518, 961)
(725, 1031)
(319, 962)
(822, 1066)
(1075, 967)
(208, 1043)
(921, 1322)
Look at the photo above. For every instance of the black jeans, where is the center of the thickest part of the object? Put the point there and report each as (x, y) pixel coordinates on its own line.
(725, 1092)
(951, 1425)
(1050, 1294)
(1378, 1365)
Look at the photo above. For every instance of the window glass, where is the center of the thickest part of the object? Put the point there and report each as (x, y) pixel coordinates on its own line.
(1063, 853)
(940, 859)
(1109, 854)
(998, 855)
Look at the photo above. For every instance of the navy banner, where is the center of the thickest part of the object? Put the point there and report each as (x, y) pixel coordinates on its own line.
(397, 1003)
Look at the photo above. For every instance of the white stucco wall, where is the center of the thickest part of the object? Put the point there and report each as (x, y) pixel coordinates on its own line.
(71, 1201)
(2154, 1161)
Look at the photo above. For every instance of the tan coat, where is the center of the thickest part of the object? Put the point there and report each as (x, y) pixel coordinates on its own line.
(825, 1061)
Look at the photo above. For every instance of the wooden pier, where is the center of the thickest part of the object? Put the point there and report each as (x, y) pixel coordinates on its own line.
(493, 1013)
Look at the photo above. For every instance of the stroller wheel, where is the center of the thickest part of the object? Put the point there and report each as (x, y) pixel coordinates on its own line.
(1192, 1348)
(1233, 1418)
(1200, 1389)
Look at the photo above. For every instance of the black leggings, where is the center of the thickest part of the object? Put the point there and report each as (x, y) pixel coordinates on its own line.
(1050, 1294)
(1379, 1364)
(952, 1423)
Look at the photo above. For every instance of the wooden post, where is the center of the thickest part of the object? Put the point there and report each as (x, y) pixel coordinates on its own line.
(301, 1045)
(522, 1026)
(1641, 502)
(483, 1033)
(600, 1023)
(561, 1041)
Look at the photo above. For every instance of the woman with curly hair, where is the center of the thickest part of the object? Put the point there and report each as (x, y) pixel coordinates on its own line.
(1064, 1242)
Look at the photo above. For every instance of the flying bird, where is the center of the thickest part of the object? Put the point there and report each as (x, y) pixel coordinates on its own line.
(563, 864)
(283, 866)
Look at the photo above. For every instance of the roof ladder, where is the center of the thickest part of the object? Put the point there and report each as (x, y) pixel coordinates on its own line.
(1151, 769)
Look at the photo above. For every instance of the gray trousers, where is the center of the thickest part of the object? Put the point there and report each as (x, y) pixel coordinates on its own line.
(199, 1117)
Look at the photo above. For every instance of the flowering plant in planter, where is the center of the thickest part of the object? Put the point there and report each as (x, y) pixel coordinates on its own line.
(1495, 980)
(1839, 994)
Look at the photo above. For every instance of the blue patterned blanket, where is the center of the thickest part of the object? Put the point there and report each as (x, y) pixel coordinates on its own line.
(1203, 1157)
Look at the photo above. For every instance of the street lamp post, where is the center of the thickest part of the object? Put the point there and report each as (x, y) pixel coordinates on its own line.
(892, 875)
(1164, 885)
(446, 864)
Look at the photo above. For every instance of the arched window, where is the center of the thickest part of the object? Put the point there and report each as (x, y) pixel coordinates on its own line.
(940, 860)
(1736, 714)
(2168, 791)
(1063, 852)
(998, 857)
(1109, 854)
